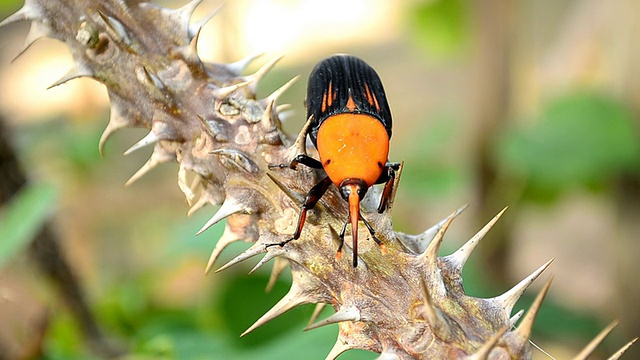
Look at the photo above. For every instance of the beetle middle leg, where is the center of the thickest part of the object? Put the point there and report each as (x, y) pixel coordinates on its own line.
(313, 196)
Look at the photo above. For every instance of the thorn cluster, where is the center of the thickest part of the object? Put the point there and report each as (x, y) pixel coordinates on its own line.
(406, 304)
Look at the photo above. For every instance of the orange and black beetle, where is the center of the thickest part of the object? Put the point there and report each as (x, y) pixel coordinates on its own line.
(351, 128)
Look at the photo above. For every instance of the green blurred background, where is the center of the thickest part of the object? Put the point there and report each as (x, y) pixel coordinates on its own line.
(533, 104)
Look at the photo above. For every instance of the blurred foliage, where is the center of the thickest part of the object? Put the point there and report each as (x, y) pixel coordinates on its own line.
(23, 217)
(440, 27)
(582, 139)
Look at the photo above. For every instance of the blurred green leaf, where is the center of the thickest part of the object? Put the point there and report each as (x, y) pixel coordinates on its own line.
(23, 217)
(440, 26)
(580, 139)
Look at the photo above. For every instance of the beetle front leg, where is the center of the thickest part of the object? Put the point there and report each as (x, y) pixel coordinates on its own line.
(299, 159)
(313, 196)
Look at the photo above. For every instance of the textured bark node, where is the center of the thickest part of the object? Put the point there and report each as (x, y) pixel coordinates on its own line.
(406, 304)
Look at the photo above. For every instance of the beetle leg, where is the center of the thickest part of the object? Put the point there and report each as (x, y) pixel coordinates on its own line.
(383, 247)
(313, 196)
(387, 177)
(299, 159)
(344, 229)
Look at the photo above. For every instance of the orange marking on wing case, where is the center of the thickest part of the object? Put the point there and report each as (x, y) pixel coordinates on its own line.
(323, 106)
(351, 105)
(368, 95)
(330, 94)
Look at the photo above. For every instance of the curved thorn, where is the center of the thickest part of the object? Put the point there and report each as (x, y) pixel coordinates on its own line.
(237, 158)
(115, 28)
(156, 158)
(182, 15)
(300, 145)
(149, 139)
(25, 13)
(618, 354)
(431, 252)
(316, 312)
(460, 257)
(295, 297)
(338, 348)
(224, 92)
(191, 52)
(514, 319)
(255, 78)
(525, 327)
(485, 349)
(509, 299)
(36, 31)
(267, 121)
(349, 313)
(418, 243)
(240, 65)
(278, 267)
(228, 237)
(204, 20)
(202, 201)
(437, 323)
(266, 258)
(290, 193)
(73, 73)
(593, 344)
(255, 249)
(276, 94)
(229, 207)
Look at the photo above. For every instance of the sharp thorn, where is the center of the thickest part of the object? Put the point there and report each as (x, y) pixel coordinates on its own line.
(338, 348)
(236, 158)
(239, 66)
(202, 201)
(267, 122)
(116, 29)
(227, 238)
(295, 297)
(431, 252)
(508, 300)
(265, 259)
(255, 78)
(316, 312)
(437, 323)
(278, 267)
(349, 313)
(156, 158)
(460, 257)
(419, 243)
(204, 20)
(618, 354)
(229, 207)
(27, 12)
(593, 344)
(514, 319)
(290, 193)
(36, 32)
(485, 349)
(526, 326)
(254, 250)
(276, 94)
(73, 73)
(149, 139)
(224, 92)
(300, 145)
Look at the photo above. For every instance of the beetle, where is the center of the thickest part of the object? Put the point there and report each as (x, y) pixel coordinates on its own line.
(351, 128)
